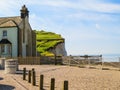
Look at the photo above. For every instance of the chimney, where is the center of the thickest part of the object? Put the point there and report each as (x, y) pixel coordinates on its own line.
(24, 12)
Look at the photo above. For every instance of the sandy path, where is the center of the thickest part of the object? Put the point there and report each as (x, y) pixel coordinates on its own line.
(79, 78)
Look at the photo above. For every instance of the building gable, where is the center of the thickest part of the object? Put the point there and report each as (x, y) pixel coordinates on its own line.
(9, 23)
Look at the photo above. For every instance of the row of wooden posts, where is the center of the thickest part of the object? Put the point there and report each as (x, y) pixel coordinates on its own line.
(32, 80)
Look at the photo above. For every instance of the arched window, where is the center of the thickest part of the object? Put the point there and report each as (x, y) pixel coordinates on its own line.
(5, 48)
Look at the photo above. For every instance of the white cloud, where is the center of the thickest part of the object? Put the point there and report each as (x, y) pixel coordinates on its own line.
(9, 7)
(79, 6)
(97, 26)
(99, 6)
(83, 9)
(91, 5)
(91, 16)
(38, 22)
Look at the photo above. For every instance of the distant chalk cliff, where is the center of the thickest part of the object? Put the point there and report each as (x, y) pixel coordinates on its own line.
(50, 44)
(59, 49)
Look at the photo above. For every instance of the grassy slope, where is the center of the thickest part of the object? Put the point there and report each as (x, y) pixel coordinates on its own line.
(46, 40)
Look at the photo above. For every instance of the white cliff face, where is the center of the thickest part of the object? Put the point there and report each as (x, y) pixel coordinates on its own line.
(60, 50)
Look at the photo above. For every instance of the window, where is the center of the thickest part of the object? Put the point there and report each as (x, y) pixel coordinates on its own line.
(4, 33)
(3, 48)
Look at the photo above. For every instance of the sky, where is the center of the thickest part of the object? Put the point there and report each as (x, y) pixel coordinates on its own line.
(88, 26)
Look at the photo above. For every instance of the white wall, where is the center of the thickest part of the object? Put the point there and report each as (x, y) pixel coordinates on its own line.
(12, 36)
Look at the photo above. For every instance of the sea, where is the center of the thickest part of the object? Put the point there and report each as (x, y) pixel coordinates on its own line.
(111, 57)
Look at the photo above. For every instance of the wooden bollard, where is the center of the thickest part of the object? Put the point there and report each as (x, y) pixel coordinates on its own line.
(24, 73)
(65, 86)
(52, 87)
(33, 69)
(33, 78)
(41, 82)
(29, 76)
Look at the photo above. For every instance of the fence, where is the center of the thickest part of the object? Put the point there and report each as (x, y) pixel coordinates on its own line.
(82, 61)
(39, 60)
(92, 62)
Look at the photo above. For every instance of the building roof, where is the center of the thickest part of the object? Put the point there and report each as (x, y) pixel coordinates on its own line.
(5, 41)
(10, 21)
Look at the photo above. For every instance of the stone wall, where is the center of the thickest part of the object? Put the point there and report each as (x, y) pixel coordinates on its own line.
(33, 43)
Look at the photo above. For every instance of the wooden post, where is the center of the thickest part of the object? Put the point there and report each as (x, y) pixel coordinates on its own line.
(88, 62)
(41, 82)
(65, 86)
(52, 87)
(119, 63)
(29, 76)
(55, 59)
(102, 63)
(24, 73)
(70, 60)
(33, 69)
(33, 78)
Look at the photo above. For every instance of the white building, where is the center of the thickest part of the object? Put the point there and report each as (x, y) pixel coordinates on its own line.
(16, 36)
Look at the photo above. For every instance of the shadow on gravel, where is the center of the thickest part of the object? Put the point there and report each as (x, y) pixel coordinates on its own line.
(6, 87)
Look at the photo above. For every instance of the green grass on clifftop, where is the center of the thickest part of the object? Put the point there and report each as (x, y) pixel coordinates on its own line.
(46, 40)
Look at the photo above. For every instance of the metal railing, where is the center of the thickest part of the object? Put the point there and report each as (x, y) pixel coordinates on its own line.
(97, 62)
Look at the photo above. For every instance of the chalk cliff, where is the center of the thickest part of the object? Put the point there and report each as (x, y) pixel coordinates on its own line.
(49, 44)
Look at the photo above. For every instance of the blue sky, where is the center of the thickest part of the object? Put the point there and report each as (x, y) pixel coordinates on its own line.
(88, 26)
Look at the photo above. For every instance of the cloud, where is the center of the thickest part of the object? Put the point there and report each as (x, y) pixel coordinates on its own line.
(97, 26)
(92, 16)
(91, 5)
(44, 23)
(89, 10)
(101, 6)
(83, 9)
(37, 22)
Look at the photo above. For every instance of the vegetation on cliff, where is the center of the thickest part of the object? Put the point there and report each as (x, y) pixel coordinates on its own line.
(46, 40)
